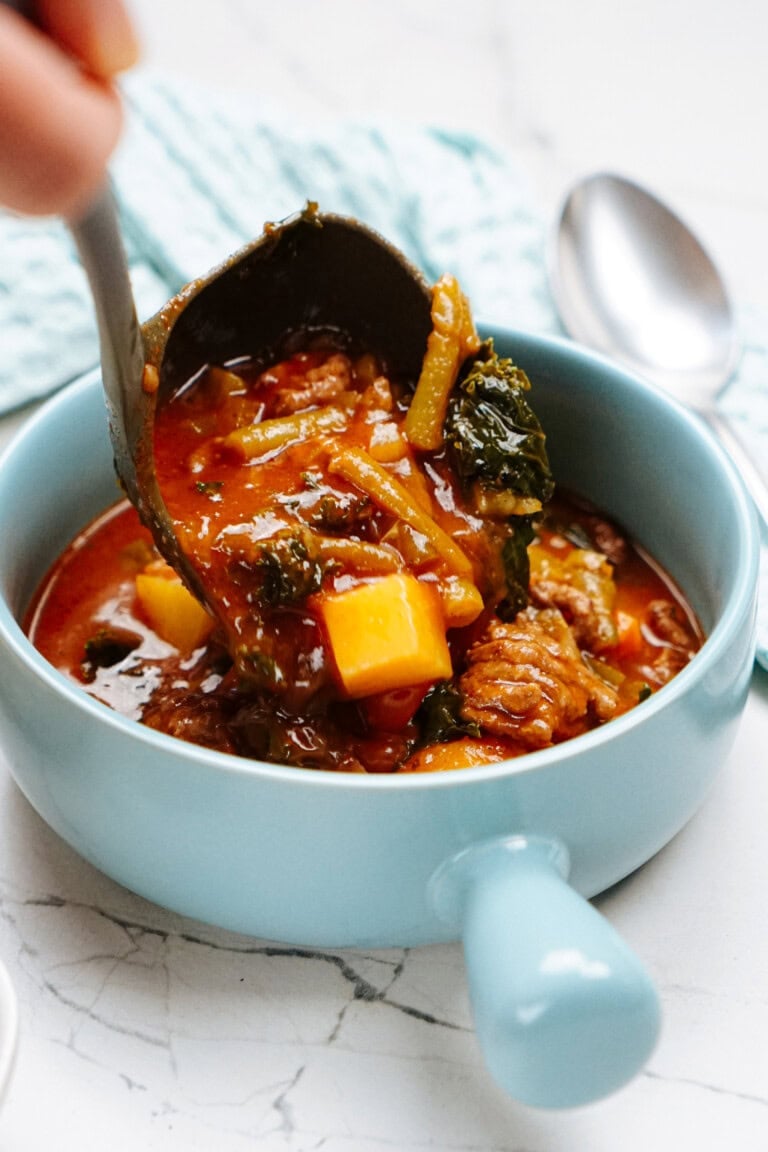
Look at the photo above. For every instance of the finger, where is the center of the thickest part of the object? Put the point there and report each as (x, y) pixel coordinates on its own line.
(58, 125)
(97, 32)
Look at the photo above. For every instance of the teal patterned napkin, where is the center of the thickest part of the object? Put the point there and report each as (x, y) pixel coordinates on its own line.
(198, 174)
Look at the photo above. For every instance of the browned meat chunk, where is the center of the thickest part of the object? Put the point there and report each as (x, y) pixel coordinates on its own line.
(582, 587)
(526, 680)
(668, 622)
(324, 384)
(607, 538)
(196, 717)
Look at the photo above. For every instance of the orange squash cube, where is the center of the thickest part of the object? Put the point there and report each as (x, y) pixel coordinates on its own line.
(386, 634)
(172, 610)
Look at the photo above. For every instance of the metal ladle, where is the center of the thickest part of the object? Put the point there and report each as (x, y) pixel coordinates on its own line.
(312, 272)
(315, 272)
(630, 280)
(98, 239)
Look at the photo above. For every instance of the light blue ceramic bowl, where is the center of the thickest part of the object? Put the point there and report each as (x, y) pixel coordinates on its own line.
(502, 856)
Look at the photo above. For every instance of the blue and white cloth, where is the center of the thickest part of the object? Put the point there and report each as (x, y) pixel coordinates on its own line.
(197, 175)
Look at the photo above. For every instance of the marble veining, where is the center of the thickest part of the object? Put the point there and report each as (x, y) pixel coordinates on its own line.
(174, 1034)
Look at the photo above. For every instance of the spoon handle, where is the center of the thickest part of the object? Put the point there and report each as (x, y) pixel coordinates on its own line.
(753, 477)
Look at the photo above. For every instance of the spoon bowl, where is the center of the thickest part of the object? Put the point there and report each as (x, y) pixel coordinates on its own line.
(630, 280)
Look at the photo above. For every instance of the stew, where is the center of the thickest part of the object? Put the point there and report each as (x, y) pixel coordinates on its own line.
(401, 588)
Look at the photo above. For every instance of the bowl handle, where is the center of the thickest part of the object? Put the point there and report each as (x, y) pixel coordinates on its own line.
(564, 1011)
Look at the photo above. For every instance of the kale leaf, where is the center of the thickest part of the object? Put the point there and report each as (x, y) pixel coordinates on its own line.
(287, 568)
(493, 436)
(517, 568)
(108, 647)
(496, 445)
(439, 716)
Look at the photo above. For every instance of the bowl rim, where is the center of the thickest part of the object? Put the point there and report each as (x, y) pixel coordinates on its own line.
(740, 601)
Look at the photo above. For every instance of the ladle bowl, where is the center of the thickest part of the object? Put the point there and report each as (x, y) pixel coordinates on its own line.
(315, 272)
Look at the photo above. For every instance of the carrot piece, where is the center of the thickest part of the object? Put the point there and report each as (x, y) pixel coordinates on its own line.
(393, 710)
(386, 634)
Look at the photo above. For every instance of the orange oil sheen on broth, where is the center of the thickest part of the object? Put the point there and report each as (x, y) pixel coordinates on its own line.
(224, 508)
(230, 510)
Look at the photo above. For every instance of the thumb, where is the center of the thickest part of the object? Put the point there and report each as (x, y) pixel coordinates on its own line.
(58, 124)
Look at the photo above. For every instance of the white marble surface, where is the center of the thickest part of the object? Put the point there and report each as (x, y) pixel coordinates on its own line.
(140, 1030)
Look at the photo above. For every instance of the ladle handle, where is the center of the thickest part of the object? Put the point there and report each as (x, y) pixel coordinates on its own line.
(96, 233)
(753, 478)
(99, 242)
(564, 1011)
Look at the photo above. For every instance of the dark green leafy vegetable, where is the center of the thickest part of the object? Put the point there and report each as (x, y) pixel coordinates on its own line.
(517, 569)
(277, 571)
(341, 511)
(108, 647)
(493, 436)
(258, 668)
(439, 716)
(287, 570)
(496, 445)
(280, 737)
(209, 487)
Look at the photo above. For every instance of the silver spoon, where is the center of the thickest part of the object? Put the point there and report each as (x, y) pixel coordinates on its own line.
(630, 280)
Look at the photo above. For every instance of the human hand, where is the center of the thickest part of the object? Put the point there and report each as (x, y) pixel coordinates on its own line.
(59, 115)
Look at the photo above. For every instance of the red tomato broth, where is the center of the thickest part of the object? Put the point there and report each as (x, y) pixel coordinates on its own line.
(279, 490)
(87, 621)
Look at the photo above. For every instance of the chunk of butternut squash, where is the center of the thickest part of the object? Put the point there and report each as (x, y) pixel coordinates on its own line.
(386, 634)
(171, 609)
